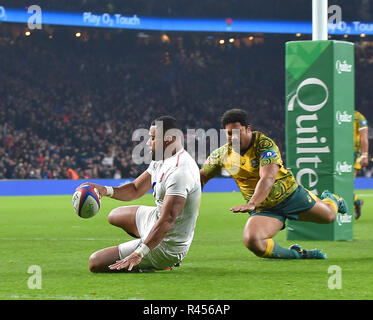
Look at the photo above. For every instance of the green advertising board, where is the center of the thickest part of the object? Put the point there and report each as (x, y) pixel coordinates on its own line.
(320, 100)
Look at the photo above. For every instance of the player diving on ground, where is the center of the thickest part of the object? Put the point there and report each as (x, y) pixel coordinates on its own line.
(271, 192)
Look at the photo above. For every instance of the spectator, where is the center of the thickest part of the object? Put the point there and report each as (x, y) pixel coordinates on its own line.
(57, 118)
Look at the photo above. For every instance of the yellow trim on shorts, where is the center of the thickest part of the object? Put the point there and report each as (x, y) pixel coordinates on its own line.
(312, 195)
(269, 249)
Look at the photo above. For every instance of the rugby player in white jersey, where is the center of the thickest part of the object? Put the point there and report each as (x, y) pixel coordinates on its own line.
(165, 231)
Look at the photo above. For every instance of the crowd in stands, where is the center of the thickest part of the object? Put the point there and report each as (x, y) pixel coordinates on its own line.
(69, 107)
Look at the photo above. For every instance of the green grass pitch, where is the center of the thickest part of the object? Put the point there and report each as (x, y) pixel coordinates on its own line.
(44, 231)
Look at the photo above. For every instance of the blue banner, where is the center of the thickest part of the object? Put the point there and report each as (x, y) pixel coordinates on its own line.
(122, 21)
(67, 187)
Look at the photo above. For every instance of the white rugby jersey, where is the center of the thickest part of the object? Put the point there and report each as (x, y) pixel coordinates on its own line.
(178, 175)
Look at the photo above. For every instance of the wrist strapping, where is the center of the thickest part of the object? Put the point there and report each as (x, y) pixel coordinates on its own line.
(142, 250)
(109, 191)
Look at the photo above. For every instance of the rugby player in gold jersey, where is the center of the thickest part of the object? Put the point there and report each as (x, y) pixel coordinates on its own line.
(361, 151)
(271, 192)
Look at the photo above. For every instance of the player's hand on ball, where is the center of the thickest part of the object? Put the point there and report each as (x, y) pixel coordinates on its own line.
(128, 262)
(101, 190)
(247, 207)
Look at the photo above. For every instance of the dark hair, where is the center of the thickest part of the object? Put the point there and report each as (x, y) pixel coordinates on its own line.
(168, 122)
(235, 115)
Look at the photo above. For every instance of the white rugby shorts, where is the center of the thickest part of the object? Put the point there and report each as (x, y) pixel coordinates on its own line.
(159, 257)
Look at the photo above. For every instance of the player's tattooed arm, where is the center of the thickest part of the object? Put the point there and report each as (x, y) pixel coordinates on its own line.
(267, 179)
(264, 186)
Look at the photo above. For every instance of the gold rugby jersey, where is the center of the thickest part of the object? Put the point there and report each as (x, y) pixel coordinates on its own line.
(244, 168)
(360, 122)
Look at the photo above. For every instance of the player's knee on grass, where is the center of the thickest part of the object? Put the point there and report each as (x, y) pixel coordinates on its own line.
(254, 244)
(100, 260)
(94, 263)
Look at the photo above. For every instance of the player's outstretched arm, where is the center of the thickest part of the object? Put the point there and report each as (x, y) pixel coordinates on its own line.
(267, 175)
(127, 192)
(210, 168)
(204, 178)
(133, 190)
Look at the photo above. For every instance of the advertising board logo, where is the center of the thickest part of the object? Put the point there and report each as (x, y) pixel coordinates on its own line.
(343, 218)
(110, 20)
(307, 107)
(343, 167)
(310, 143)
(343, 117)
(343, 66)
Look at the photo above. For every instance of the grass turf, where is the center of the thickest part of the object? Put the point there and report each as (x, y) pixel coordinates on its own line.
(44, 231)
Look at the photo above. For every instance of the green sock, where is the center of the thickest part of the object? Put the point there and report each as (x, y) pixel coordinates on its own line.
(275, 251)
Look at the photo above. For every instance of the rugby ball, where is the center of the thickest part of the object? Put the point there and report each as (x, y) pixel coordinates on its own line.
(86, 201)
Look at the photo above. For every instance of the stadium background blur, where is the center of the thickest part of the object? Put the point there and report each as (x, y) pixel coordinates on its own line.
(70, 102)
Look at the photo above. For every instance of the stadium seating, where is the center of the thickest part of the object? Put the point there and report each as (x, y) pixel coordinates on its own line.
(74, 104)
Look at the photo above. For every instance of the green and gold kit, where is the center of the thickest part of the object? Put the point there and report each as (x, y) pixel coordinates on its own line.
(244, 168)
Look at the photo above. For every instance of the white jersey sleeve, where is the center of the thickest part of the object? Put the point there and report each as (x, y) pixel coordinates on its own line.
(151, 168)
